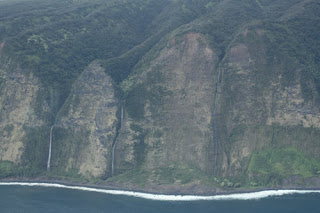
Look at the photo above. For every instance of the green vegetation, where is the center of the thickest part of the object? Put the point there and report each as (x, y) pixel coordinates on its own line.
(56, 40)
(135, 103)
(135, 176)
(179, 174)
(59, 42)
(271, 166)
(7, 169)
(36, 149)
(68, 143)
(139, 146)
(174, 174)
(70, 175)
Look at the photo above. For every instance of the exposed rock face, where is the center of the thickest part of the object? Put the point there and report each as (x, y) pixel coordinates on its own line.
(183, 115)
(17, 99)
(261, 109)
(290, 108)
(1, 46)
(86, 125)
(169, 121)
(221, 94)
(167, 136)
(175, 102)
(278, 103)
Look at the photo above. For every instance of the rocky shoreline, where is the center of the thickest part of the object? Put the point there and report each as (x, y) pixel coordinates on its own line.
(165, 197)
(159, 190)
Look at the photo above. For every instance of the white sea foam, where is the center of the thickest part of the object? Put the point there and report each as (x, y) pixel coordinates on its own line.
(238, 196)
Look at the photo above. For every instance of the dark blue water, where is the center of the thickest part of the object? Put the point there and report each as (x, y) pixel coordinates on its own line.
(41, 199)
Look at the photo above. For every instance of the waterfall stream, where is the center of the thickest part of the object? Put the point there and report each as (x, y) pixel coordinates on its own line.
(115, 141)
(215, 131)
(49, 157)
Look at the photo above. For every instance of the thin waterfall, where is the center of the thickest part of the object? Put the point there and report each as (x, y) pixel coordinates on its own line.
(215, 131)
(49, 157)
(115, 141)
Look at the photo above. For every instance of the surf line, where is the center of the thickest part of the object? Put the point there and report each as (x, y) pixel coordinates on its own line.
(50, 146)
(163, 197)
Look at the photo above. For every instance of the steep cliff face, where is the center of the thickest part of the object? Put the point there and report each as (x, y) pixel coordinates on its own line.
(86, 125)
(264, 109)
(169, 132)
(214, 94)
(169, 111)
(18, 97)
(83, 131)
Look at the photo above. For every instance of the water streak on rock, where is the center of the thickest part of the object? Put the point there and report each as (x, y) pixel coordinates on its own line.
(50, 146)
(115, 141)
(215, 129)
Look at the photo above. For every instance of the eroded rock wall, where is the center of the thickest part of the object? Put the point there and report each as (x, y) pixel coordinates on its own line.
(86, 125)
(17, 112)
(262, 103)
(171, 105)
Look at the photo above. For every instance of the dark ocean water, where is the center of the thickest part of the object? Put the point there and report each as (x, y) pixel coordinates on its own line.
(43, 199)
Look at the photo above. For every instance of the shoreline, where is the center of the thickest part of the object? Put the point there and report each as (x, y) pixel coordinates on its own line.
(234, 195)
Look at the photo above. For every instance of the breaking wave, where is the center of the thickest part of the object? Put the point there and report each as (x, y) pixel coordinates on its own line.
(162, 197)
